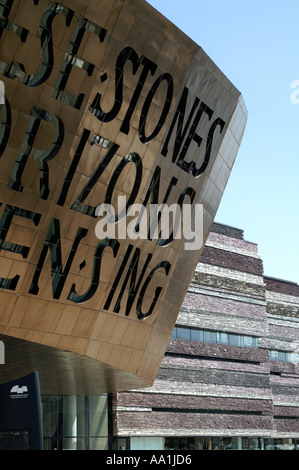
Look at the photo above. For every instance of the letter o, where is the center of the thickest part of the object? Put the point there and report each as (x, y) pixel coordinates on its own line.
(131, 157)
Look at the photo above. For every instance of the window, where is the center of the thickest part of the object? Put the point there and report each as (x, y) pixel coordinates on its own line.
(197, 335)
(248, 341)
(218, 337)
(75, 422)
(273, 355)
(234, 340)
(284, 356)
(222, 338)
(183, 333)
(210, 337)
(281, 356)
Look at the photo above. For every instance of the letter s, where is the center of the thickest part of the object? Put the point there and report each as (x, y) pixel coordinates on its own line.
(127, 54)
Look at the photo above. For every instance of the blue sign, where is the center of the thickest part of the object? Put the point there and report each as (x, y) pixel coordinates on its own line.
(21, 414)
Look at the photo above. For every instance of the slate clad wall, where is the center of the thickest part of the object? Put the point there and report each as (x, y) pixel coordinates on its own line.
(208, 389)
(227, 259)
(281, 286)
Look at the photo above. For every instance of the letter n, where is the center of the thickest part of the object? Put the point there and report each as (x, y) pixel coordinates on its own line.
(53, 243)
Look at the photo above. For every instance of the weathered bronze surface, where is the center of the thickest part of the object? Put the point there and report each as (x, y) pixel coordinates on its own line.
(103, 99)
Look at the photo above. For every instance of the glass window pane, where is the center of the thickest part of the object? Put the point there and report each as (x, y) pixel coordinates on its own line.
(234, 340)
(273, 355)
(81, 417)
(197, 335)
(222, 338)
(98, 415)
(247, 341)
(281, 356)
(50, 444)
(288, 357)
(172, 443)
(51, 405)
(69, 408)
(81, 444)
(183, 333)
(98, 443)
(120, 443)
(210, 336)
(69, 443)
(184, 443)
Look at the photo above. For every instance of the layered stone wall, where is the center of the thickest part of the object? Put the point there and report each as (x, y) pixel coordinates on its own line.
(209, 389)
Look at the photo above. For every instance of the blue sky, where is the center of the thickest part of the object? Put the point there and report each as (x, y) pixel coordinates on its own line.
(256, 45)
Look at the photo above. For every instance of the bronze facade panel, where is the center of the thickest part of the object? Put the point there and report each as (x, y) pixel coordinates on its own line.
(105, 102)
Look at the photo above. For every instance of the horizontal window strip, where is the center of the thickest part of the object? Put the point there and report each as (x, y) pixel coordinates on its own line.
(216, 337)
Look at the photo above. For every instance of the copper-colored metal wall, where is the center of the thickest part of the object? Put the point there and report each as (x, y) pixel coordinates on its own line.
(103, 99)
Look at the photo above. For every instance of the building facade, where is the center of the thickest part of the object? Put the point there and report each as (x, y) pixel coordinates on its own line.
(106, 102)
(230, 375)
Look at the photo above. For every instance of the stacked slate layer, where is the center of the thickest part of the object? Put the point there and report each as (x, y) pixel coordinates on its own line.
(214, 389)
